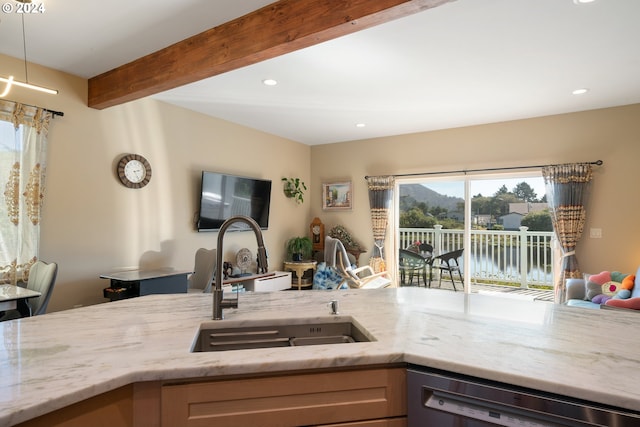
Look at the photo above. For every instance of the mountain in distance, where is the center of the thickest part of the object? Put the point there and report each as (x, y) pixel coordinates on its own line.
(420, 193)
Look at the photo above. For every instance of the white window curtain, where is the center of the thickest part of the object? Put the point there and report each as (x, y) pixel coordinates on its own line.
(23, 153)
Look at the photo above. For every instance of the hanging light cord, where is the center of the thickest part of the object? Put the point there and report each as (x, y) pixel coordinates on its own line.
(24, 49)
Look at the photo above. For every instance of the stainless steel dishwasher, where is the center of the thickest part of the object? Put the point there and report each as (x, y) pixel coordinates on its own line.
(442, 399)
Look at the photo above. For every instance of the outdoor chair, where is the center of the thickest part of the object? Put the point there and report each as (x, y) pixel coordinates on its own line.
(412, 263)
(426, 250)
(447, 262)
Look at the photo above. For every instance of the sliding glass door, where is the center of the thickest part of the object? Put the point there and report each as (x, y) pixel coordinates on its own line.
(499, 222)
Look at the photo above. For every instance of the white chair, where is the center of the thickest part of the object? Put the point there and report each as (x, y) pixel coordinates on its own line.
(203, 271)
(335, 256)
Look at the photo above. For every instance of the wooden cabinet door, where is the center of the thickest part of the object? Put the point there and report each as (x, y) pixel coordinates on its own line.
(110, 409)
(287, 400)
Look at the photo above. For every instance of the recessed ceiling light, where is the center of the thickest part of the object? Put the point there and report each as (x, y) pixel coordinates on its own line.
(360, 125)
(269, 82)
(583, 1)
(580, 91)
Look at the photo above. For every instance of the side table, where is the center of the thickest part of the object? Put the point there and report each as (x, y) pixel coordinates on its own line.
(135, 283)
(300, 267)
(356, 254)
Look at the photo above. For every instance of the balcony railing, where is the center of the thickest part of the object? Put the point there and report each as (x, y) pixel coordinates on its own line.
(524, 257)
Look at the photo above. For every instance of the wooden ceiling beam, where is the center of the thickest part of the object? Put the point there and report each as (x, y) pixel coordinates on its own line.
(277, 29)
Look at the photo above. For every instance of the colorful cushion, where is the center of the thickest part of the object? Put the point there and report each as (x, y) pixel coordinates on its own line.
(628, 282)
(600, 299)
(632, 303)
(610, 284)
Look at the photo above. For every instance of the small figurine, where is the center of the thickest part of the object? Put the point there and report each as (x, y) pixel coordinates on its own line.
(227, 269)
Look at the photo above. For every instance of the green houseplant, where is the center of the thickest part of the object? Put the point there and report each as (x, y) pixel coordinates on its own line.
(294, 188)
(299, 248)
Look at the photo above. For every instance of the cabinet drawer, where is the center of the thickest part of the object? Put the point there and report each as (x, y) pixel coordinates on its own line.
(288, 400)
(278, 282)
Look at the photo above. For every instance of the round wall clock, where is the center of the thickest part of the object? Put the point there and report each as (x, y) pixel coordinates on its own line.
(134, 171)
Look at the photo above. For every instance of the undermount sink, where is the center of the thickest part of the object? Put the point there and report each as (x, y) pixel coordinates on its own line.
(242, 335)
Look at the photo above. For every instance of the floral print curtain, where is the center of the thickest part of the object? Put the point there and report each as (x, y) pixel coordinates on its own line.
(380, 197)
(567, 188)
(23, 146)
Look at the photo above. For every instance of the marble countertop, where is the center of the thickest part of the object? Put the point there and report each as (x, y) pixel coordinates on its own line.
(51, 361)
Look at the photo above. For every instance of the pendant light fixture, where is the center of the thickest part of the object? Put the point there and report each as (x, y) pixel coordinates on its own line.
(10, 81)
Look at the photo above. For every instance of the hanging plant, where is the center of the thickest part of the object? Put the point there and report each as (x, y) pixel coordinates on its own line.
(294, 188)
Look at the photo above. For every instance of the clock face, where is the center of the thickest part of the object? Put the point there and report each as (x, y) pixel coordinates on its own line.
(317, 234)
(134, 171)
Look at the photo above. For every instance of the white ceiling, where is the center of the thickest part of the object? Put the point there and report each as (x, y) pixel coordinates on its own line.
(464, 63)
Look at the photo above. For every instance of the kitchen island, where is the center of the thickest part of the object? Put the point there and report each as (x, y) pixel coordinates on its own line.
(53, 361)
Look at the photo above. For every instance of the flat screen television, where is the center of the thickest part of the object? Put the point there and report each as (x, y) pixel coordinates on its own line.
(223, 196)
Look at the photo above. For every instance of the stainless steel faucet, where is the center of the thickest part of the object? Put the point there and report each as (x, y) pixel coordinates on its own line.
(218, 302)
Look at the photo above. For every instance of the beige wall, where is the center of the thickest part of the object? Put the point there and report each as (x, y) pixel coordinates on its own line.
(92, 224)
(612, 135)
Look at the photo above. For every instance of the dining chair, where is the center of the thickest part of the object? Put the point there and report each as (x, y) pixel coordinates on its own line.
(42, 278)
(205, 267)
(447, 262)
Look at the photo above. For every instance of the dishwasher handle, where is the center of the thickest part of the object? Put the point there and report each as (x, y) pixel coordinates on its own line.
(493, 412)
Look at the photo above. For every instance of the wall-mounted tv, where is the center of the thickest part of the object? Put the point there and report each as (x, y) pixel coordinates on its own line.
(223, 196)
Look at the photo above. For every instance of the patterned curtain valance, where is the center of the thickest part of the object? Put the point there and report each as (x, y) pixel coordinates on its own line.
(27, 115)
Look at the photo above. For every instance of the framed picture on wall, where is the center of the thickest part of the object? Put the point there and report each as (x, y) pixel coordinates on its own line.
(337, 196)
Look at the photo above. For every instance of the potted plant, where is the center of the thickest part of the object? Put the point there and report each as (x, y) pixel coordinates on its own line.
(294, 188)
(299, 248)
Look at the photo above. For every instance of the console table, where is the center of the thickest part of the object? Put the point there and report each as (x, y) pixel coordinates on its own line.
(135, 283)
(300, 267)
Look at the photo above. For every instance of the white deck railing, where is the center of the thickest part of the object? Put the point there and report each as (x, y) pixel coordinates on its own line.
(496, 256)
